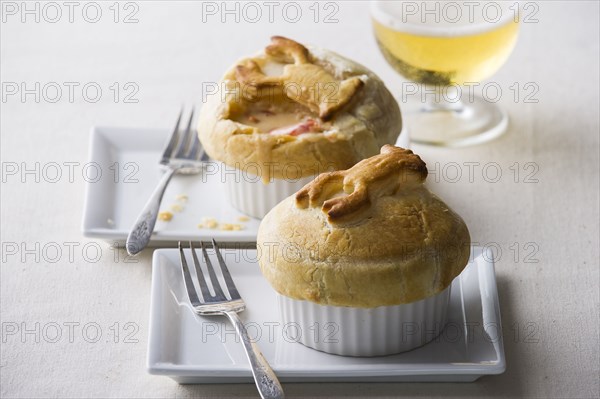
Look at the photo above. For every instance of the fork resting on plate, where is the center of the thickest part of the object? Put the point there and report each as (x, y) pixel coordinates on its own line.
(184, 154)
(218, 304)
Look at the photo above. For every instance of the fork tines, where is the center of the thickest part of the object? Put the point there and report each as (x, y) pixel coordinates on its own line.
(183, 144)
(207, 297)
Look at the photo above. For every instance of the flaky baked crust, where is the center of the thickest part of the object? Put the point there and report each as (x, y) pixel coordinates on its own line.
(360, 113)
(369, 236)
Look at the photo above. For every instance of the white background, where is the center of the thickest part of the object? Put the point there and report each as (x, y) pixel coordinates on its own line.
(549, 308)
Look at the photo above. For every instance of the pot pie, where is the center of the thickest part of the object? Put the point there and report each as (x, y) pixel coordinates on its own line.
(292, 112)
(367, 248)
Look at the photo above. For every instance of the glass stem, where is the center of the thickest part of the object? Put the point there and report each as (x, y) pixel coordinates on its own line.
(442, 99)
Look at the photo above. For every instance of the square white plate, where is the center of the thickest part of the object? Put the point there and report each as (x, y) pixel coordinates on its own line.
(192, 349)
(123, 171)
(128, 162)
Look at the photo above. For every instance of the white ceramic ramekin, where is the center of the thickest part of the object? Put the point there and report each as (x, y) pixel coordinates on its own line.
(379, 331)
(404, 139)
(249, 195)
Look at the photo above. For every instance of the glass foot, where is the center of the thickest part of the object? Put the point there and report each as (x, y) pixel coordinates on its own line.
(454, 124)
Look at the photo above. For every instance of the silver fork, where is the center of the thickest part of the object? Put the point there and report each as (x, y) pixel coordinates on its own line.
(266, 381)
(184, 155)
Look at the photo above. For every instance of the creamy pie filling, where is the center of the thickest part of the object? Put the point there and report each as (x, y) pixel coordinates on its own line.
(282, 119)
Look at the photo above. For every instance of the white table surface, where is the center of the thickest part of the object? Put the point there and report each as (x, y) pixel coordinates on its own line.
(553, 304)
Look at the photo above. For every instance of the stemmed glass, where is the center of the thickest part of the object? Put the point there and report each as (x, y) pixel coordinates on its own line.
(446, 49)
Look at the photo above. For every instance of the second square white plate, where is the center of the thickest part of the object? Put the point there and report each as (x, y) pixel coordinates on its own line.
(193, 349)
(122, 173)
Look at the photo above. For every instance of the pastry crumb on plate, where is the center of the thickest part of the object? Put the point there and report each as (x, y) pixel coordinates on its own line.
(165, 216)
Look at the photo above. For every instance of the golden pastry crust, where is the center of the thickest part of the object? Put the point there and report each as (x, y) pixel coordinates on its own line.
(399, 245)
(353, 110)
(374, 177)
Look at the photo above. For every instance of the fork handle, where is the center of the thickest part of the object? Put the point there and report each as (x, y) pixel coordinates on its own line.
(140, 233)
(266, 381)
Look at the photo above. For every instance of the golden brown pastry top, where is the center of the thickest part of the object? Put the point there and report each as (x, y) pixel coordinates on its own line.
(339, 112)
(384, 174)
(370, 236)
(302, 81)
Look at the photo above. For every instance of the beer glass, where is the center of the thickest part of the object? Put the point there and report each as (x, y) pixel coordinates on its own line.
(446, 49)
